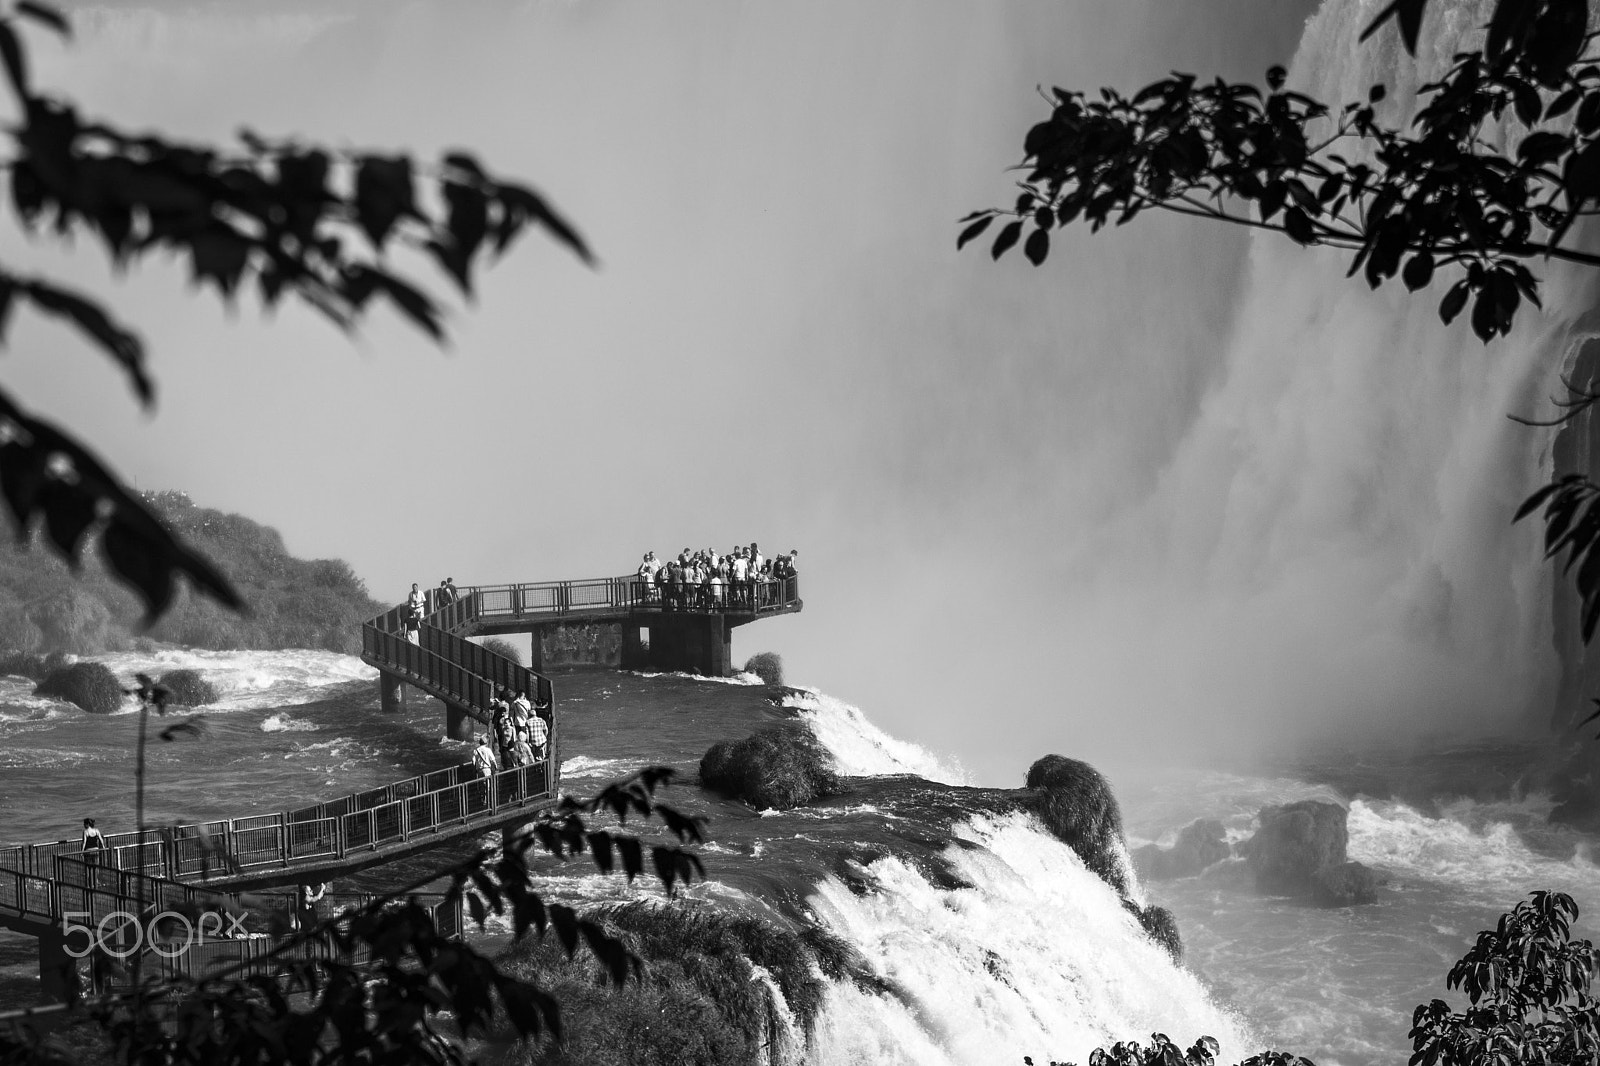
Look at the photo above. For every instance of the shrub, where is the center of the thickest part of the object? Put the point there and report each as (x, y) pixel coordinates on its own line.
(1076, 804)
(504, 648)
(188, 689)
(25, 664)
(780, 767)
(91, 686)
(700, 962)
(767, 666)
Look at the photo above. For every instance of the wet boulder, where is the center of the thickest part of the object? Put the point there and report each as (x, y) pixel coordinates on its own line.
(1200, 844)
(1293, 842)
(1075, 803)
(775, 768)
(1344, 885)
(91, 686)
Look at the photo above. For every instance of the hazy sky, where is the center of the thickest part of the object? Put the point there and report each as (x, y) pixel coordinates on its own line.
(781, 342)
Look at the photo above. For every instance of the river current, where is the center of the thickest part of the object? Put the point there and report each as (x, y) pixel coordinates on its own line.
(997, 940)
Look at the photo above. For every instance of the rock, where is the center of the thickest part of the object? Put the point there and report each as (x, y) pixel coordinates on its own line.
(91, 686)
(1075, 802)
(187, 688)
(1159, 925)
(779, 768)
(1294, 842)
(1199, 845)
(1344, 885)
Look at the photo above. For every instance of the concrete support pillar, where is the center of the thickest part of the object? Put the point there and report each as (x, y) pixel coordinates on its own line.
(536, 651)
(458, 725)
(56, 968)
(391, 692)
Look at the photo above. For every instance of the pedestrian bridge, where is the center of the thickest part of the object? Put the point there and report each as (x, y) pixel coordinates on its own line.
(47, 888)
(200, 864)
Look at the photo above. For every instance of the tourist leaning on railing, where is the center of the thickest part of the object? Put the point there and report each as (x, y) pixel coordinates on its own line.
(706, 580)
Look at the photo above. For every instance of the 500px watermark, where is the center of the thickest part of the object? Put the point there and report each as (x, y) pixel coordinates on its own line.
(112, 934)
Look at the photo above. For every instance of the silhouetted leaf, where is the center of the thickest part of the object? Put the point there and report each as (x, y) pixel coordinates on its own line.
(973, 230)
(1037, 247)
(1008, 236)
(11, 56)
(93, 322)
(45, 15)
(1408, 13)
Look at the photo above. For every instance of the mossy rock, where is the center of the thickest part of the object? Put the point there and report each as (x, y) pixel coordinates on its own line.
(186, 688)
(30, 664)
(781, 768)
(1160, 926)
(1076, 804)
(766, 665)
(90, 685)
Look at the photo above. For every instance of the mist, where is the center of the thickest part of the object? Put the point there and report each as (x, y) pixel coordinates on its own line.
(1176, 494)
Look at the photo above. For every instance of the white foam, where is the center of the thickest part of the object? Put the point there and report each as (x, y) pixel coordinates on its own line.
(744, 678)
(248, 680)
(1039, 959)
(1483, 858)
(282, 723)
(582, 766)
(861, 749)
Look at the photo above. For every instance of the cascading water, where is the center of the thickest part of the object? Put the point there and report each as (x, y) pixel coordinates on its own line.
(1330, 546)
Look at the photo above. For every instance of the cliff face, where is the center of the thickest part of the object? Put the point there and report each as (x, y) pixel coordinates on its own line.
(294, 603)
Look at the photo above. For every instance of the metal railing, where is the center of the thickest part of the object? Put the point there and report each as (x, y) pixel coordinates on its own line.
(371, 820)
(629, 592)
(450, 666)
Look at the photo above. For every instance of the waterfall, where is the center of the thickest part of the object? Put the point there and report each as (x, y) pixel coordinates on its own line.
(1329, 547)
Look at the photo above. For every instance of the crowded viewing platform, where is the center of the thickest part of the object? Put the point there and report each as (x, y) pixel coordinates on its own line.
(704, 580)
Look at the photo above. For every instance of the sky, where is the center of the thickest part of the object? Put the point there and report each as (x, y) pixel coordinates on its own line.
(780, 342)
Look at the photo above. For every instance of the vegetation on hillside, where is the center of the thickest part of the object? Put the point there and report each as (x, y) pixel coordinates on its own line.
(502, 647)
(295, 603)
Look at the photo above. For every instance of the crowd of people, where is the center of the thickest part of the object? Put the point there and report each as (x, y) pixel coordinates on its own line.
(710, 581)
(521, 733)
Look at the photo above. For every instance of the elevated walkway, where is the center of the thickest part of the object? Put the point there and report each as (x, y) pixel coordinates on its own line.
(46, 887)
(616, 621)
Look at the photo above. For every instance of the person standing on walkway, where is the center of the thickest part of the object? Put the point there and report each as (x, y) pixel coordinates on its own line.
(305, 905)
(538, 736)
(483, 757)
(94, 842)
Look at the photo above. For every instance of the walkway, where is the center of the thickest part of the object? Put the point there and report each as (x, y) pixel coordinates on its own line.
(604, 621)
(189, 866)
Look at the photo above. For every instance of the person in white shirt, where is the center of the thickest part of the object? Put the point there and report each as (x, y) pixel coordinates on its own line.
(484, 758)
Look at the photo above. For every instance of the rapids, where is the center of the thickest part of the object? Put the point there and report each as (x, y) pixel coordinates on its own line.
(991, 937)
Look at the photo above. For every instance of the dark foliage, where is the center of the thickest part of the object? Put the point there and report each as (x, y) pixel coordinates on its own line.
(283, 218)
(699, 963)
(25, 664)
(1530, 989)
(1076, 804)
(779, 767)
(766, 665)
(91, 686)
(186, 688)
(1499, 163)
(1437, 197)
(419, 992)
(1159, 925)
